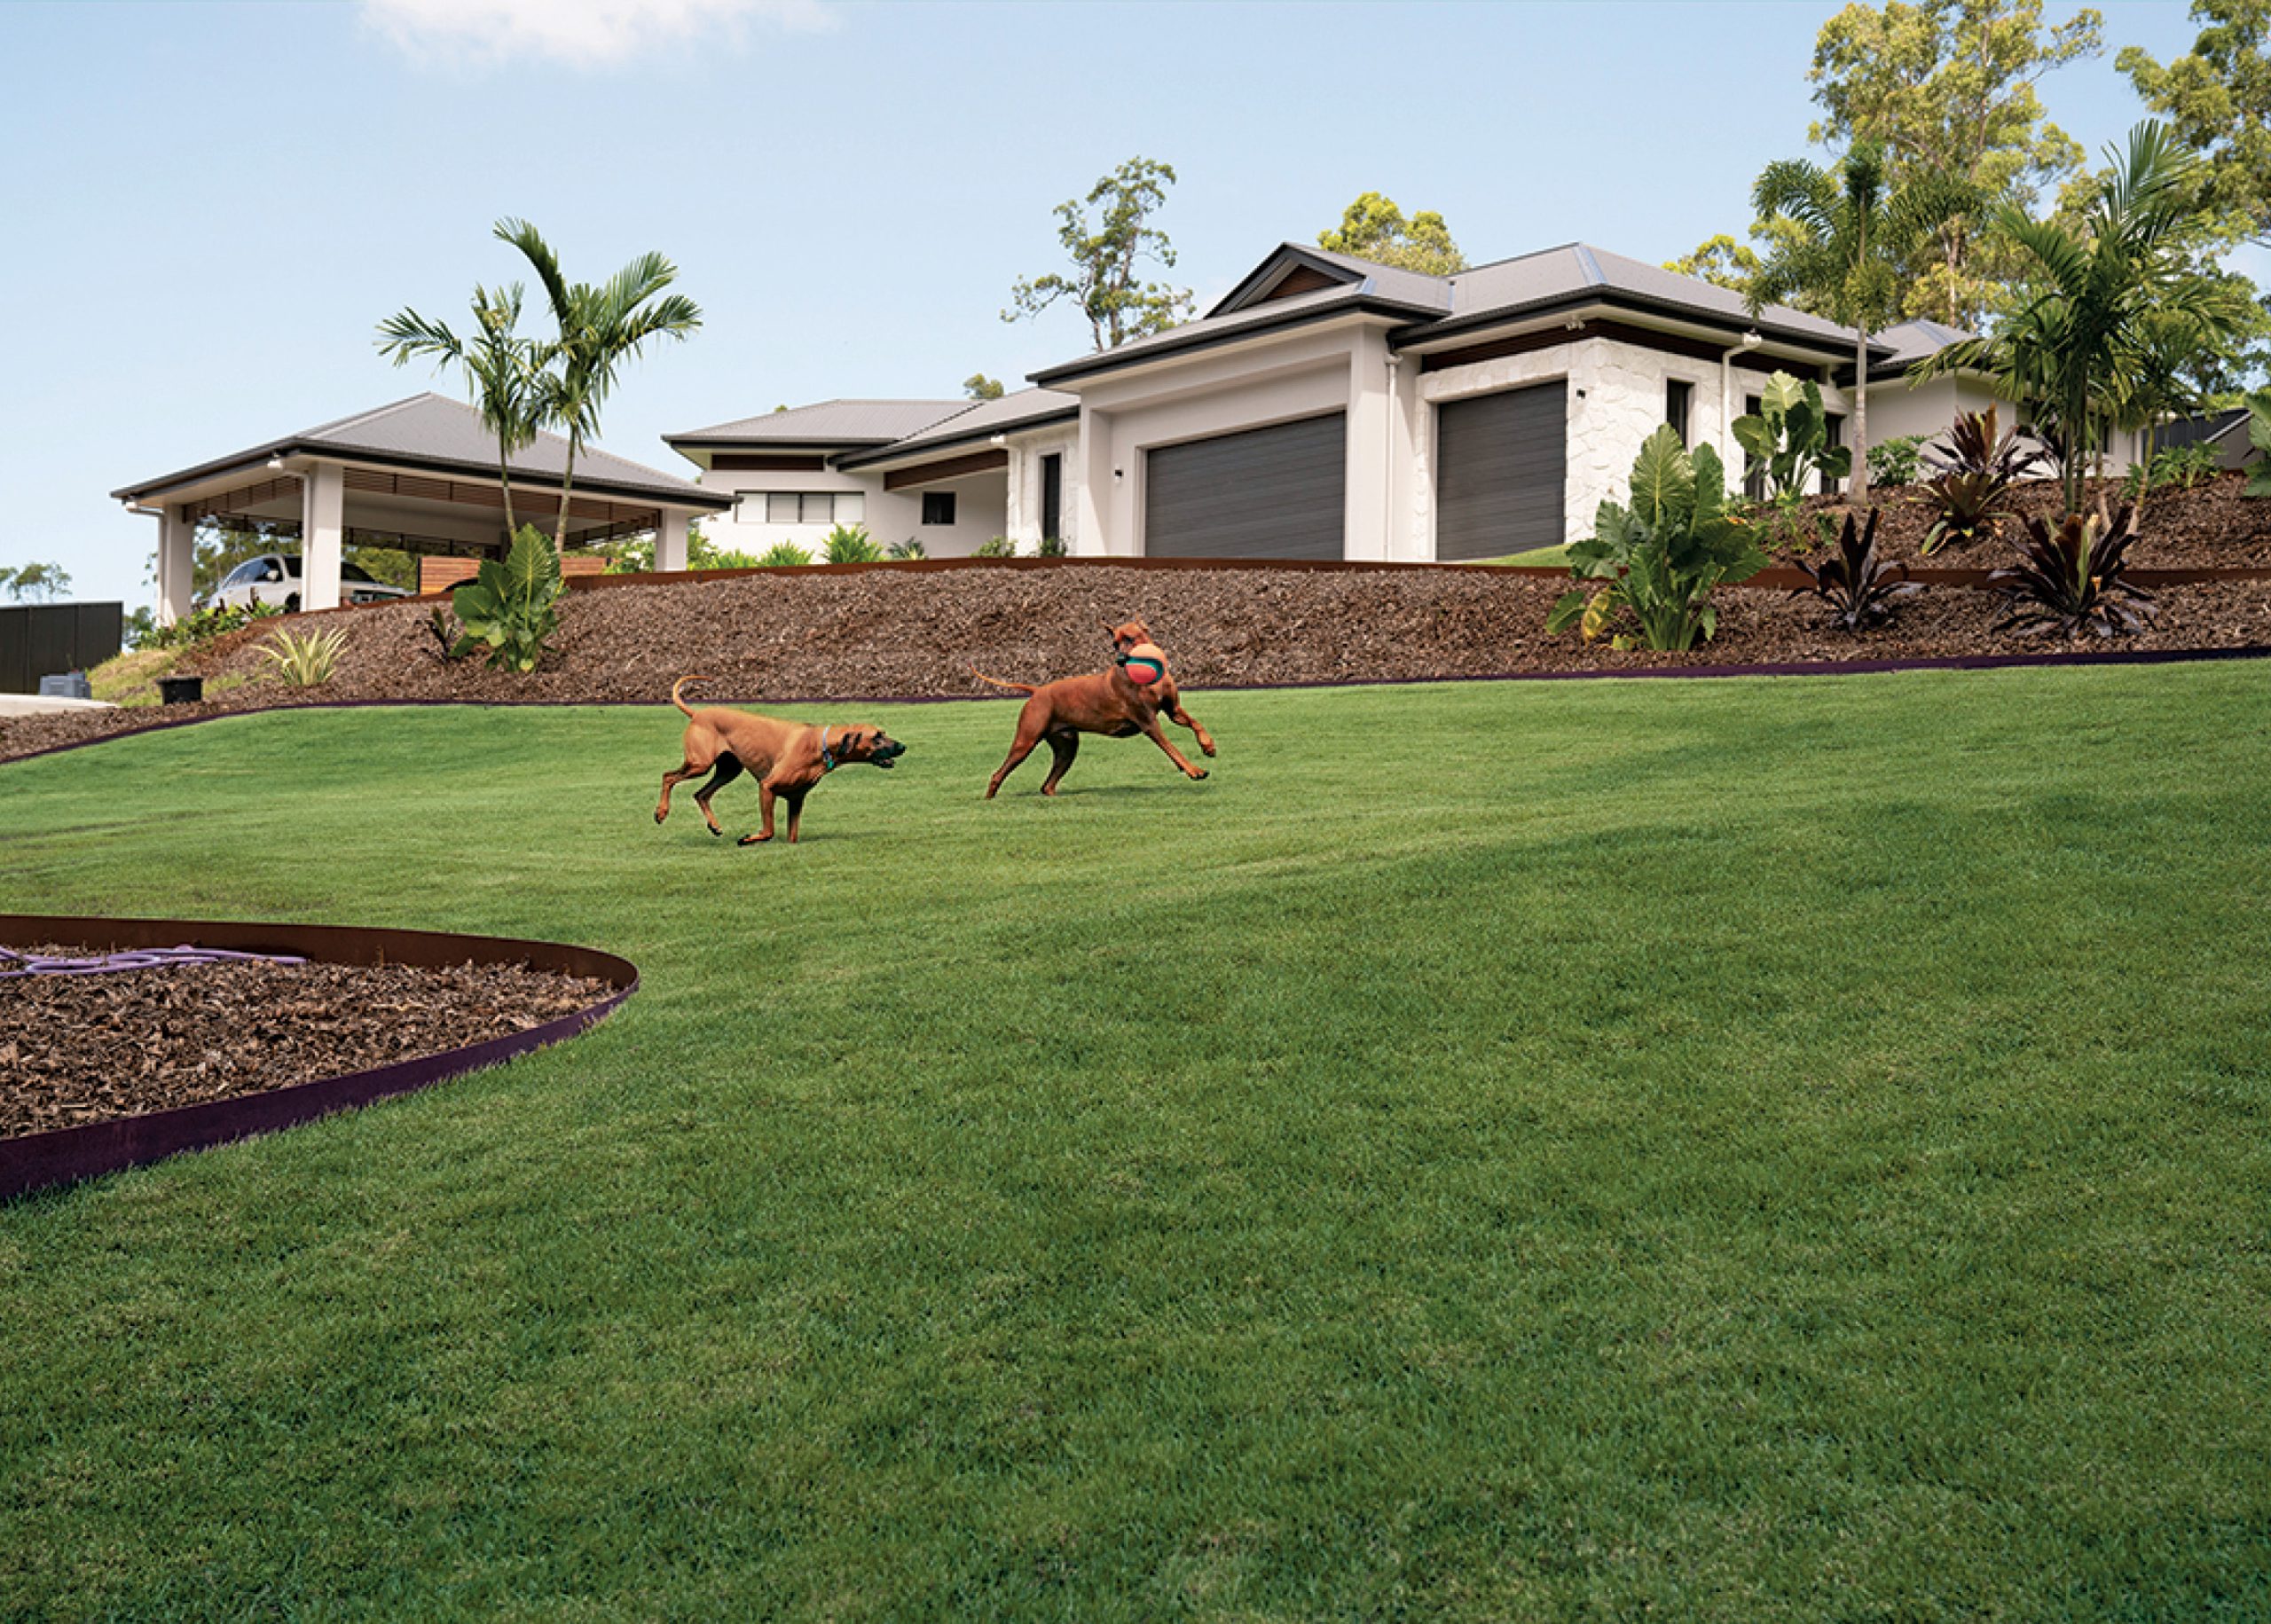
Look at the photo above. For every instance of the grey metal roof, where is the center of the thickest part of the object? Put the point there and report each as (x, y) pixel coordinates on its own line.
(1911, 340)
(1216, 329)
(1023, 409)
(829, 422)
(1551, 275)
(433, 431)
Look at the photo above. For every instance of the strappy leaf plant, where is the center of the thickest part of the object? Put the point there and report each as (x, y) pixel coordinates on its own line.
(1657, 560)
(1860, 588)
(784, 556)
(303, 659)
(1974, 473)
(851, 544)
(2072, 579)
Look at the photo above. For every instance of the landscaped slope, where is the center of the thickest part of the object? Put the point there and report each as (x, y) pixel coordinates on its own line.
(1756, 1151)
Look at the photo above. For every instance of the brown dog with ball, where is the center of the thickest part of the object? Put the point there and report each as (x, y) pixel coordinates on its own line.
(1120, 703)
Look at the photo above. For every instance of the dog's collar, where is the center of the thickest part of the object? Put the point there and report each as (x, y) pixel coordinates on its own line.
(827, 761)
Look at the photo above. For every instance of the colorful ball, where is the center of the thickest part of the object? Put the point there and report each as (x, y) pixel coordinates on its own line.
(1145, 665)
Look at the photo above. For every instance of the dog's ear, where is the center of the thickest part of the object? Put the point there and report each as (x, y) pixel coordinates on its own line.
(1109, 630)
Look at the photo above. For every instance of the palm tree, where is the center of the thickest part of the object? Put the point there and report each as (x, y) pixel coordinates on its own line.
(504, 372)
(1847, 230)
(600, 328)
(2091, 343)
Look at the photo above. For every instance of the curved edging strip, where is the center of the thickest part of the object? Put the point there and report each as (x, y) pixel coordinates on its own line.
(62, 1156)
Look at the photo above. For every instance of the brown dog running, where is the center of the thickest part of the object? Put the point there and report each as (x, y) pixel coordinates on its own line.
(786, 758)
(1108, 702)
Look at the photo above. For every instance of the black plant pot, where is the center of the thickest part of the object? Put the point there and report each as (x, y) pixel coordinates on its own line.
(181, 690)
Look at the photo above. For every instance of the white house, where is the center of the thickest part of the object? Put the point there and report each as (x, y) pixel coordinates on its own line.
(1328, 407)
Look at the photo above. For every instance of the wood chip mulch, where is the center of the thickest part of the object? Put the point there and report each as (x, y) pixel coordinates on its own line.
(75, 1049)
(2214, 526)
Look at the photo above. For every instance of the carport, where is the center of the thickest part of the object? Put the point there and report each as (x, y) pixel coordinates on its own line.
(420, 475)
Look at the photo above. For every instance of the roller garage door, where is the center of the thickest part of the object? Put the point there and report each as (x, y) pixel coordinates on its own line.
(1264, 493)
(1499, 463)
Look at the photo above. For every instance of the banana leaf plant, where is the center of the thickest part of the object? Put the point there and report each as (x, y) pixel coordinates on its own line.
(508, 607)
(1973, 475)
(2073, 579)
(1657, 560)
(1788, 437)
(1860, 589)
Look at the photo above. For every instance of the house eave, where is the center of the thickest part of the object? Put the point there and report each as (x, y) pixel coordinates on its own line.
(1423, 336)
(1117, 360)
(256, 461)
(897, 451)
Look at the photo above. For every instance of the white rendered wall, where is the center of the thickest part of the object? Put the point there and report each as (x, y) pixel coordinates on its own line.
(890, 517)
(1022, 518)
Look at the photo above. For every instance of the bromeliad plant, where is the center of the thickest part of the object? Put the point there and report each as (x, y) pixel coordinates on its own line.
(1860, 589)
(1657, 560)
(2072, 579)
(784, 556)
(508, 608)
(851, 544)
(1973, 475)
(303, 659)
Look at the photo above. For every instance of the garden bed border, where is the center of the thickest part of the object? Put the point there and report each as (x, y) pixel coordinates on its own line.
(31, 1162)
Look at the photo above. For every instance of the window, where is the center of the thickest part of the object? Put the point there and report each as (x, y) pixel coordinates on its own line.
(1833, 423)
(1678, 393)
(937, 507)
(1052, 496)
(1754, 472)
(800, 507)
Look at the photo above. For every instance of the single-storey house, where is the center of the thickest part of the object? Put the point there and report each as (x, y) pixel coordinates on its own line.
(1327, 407)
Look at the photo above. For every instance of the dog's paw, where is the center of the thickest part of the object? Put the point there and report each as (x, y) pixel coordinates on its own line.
(714, 829)
(660, 814)
(752, 840)
(1197, 773)
(1209, 751)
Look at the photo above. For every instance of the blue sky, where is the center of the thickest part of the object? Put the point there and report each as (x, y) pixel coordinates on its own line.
(209, 206)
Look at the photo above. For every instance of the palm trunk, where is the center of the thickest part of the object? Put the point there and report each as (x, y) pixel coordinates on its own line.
(1860, 490)
(567, 485)
(504, 478)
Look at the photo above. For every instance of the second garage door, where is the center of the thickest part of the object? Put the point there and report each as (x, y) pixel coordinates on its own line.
(1275, 493)
(1499, 464)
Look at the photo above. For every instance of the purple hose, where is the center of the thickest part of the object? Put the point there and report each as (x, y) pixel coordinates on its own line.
(139, 959)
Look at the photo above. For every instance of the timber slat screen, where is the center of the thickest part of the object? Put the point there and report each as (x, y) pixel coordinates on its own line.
(53, 639)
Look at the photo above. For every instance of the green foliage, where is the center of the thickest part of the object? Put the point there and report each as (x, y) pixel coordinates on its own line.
(507, 375)
(1373, 228)
(1104, 280)
(909, 548)
(1720, 260)
(1788, 437)
(1973, 476)
(1052, 547)
(2259, 435)
(1895, 461)
(2111, 300)
(35, 583)
(999, 547)
(203, 625)
(784, 556)
(851, 544)
(1860, 589)
(510, 608)
(141, 627)
(2073, 579)
(1659, 558)
(1946, 88)
(2218, 99)
(977, 386)
(2173, 468)
(303, 659)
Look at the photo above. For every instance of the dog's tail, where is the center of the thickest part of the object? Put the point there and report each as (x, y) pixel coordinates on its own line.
(1014, 687)
(680, 683)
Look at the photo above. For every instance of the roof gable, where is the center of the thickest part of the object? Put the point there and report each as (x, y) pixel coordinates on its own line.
(1294, 270)
(828, 422)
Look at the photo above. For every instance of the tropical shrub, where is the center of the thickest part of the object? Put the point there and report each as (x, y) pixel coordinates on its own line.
(2258, 435)
(1788, 438)
(909, 548)
(2174, 467)
(1973, 476)
(1860, 589)
(1053, 546)
(1896, 461)
(999, 547)
(203, 625)
(1658, 560)
(851, 544)
(509, 607)
(2073, 579)
(784, 556)
(303, 659)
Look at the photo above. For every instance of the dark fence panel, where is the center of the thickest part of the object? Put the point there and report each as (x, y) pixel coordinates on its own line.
(48, 639)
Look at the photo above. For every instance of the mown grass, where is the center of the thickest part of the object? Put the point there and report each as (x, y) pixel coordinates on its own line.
(1748, 1151)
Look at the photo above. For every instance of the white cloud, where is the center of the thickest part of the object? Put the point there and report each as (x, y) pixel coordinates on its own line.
(580, 33)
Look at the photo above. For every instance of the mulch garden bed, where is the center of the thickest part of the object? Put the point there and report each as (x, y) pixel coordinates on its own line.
(82, 1049)
(781, 635)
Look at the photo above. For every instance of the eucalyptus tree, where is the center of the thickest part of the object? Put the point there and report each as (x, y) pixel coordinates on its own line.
(1840, 237)
(1105, 281)
(2106, 302)
(600, 327)
(504, 372)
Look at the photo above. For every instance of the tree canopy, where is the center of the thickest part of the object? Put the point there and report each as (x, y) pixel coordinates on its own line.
(2218, 99)
(1720, 260)
(1105, 254)
(1373, 228)
(977, 386)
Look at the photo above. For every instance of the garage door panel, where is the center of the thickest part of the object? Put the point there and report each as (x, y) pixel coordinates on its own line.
(1501, 460)
(1275, 493)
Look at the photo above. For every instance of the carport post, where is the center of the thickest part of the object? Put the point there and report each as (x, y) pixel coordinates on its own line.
(176, 563)
(322, 508)
(670, 540)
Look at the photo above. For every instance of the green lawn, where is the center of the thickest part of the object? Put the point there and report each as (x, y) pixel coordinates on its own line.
(1750, 1151)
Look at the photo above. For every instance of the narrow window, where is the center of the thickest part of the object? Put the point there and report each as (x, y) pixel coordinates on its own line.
(937, 507)
(1754, 472)
(1052, 496)
(781, 507)
(819, 507)
(1834, 425)
(1678, 393)
(751, 508)
(850, 507)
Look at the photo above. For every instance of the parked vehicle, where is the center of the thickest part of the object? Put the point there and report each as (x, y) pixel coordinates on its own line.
(273, 578)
